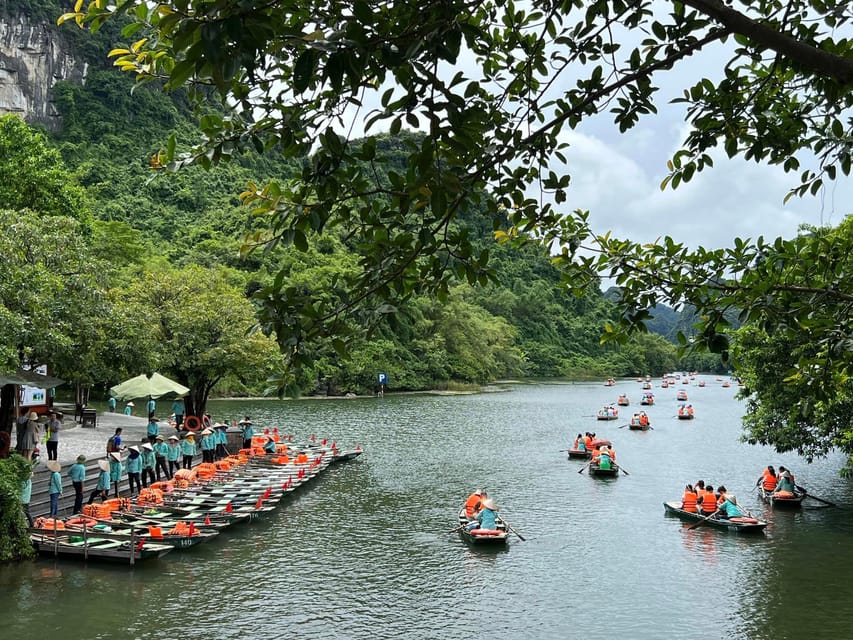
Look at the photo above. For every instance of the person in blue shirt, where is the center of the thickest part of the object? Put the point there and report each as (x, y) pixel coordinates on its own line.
(26, 496)
(149, 463)
(134, 470)
(729, 508)
(269, 445)
(161, 450)
(219, 430)
(178, 409)
(248, 432)
(116, 469)
(55, 488)
(488, 516)
(128, 408)
(153, 428)
(152, 406)
(77, 473)
(173, 454)
(188, 450)
(111, 404)
(208, 445)
(103, 488)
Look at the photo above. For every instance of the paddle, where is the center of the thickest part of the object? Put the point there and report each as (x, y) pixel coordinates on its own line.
(702, 521)
(624, 470)
(509, 526)
(584, 467)
(808, 495)
(461, 526)
(623, 426)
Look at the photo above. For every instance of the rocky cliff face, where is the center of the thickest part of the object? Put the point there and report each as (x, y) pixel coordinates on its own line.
(33, 58)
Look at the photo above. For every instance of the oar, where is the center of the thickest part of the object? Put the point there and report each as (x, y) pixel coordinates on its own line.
(509, 526)
(623, 426)
(461, 526)
(624, 470)
(584, 467)
(808, 495)
(702, 521)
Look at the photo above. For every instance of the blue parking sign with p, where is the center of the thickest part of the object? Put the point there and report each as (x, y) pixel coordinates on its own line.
(383, 378)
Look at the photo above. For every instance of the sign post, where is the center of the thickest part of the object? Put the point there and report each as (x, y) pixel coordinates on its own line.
(383, 380)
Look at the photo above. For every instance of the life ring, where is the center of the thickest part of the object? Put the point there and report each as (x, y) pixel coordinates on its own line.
(81, 521)
(205, 421)
(192, 423)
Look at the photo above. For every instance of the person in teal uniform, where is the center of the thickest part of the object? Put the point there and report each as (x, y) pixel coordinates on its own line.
(102, 490)
(219, 430)
(152, 406)
(77, 473)
(604, 458)
(269, 445)
(488, 516)
(134, 469)
(128, 408)
(786, 481)
(208, 445)
(55, 488)
(111, 405)
(26, 496)
(153, 429)
(173, 454)
(248, 432)
(149, 464)
(729, 508)
(161, 449)
(178, 409)
(188, 450)
(116, 469)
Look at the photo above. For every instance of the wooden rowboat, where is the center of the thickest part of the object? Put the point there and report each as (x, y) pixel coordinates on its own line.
(738, 525)
(595, 470)
(579, 454)
(784, 501)
(100, 548)
(477, 536)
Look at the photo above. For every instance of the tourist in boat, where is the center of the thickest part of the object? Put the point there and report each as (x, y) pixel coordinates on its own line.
(248, 431)
(729, 508)
(115, 470)
(77, 473)
(587, 441)
(188, 449)
(55, 489)
(472, 504)
(644, 419)
(579, 444)
(102, 490)
(134, 470)
(689, 499)
(488, 516)
(149, 464)
(161, 449)
(269, 445)
(173, 455)
(721, 494)
(785, 481)
(708, 501)
(768, 480)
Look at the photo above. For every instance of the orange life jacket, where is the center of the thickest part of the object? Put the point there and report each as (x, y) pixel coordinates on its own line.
(769, 481)
(472, 505)
(709, 502)
(575, 445)
(587, 442)
(596, 455)
(688, 501)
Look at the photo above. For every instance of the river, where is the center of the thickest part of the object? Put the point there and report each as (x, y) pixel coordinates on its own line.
(364, 551)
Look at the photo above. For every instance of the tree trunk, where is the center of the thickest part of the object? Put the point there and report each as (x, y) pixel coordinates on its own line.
(7, 407)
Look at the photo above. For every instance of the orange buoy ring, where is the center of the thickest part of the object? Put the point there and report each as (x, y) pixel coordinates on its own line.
(205, 421)
(192, 423)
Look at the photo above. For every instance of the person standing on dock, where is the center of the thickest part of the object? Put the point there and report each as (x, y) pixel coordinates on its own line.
(153, 428)
(134, 470)
(116, 469)
(246, 427)
(152, 406)
(128, 408)
(55, 488)
(26, 496)
(149, 464)
(161, 450)
(178, 409)
(208, 445)
(111, 405)
(31, 436)
(53, 426)
(219, 430)
(173, 455)
(20, 427)
(77, 473)
(188, 450)
(103, 488)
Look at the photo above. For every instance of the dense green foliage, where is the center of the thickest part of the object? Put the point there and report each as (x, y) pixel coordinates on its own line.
(14, 541)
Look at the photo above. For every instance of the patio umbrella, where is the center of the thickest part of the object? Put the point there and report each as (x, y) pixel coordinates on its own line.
(143, 386)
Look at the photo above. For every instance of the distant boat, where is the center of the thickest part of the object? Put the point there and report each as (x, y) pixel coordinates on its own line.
(681, 395)
(685, 412)
(608, 413)
(610, 382)
(623, 401)
(648, 399)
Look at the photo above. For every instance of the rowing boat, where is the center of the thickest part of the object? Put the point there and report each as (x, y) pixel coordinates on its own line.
(739, 525)
(595, 470)
(471, 533)
(104, 548)
(787, 499)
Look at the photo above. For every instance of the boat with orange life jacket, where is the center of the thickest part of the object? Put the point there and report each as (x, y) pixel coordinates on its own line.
(623, 400)
(586, 454)
(609, 412)
(595, 470)
(469, 530)
(739, 524)
(685, 412)
(782, 499)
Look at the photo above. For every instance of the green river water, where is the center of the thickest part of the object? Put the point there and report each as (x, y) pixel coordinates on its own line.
(363, 551)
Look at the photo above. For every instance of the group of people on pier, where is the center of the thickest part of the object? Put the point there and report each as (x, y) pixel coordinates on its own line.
(704, 500)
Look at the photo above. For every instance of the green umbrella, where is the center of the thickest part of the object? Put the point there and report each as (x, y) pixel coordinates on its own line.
(143, 386)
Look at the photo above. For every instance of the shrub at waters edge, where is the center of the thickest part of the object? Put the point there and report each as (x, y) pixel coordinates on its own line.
(14, 540)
